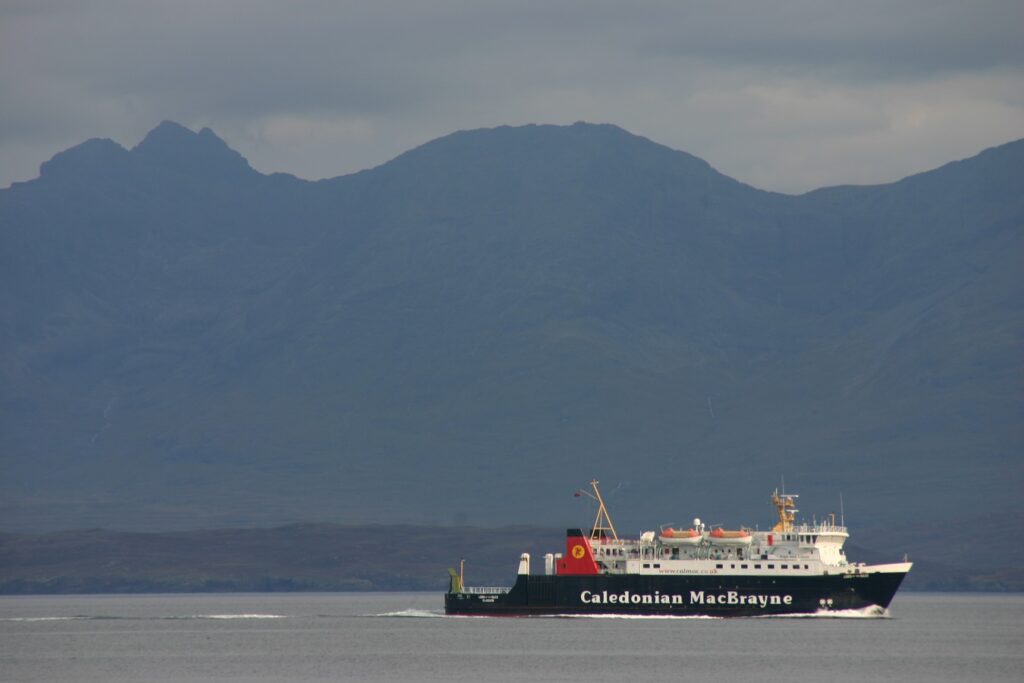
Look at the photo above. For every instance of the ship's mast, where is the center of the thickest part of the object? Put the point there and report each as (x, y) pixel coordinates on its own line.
(786, 507)
(602, 522)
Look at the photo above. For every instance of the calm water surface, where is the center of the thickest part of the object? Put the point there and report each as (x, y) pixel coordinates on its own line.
(403, 637)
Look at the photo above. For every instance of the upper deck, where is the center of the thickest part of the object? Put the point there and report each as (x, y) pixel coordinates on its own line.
(788, 548)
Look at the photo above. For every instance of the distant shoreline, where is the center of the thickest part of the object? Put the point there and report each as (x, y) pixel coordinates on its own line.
(336, 558)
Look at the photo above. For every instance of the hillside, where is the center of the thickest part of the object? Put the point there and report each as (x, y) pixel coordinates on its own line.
(469, 332)
(331, 557)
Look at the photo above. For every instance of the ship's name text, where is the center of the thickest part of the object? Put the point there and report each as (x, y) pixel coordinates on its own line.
(696, 598)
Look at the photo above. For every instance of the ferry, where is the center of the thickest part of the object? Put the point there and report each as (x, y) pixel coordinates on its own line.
(791, 569)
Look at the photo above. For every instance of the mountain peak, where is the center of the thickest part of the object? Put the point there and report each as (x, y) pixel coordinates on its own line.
(166, 131)
(174, 146)
(543, 154)
(93, 154)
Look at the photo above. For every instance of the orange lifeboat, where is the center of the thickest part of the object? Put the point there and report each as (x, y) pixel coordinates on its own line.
(677, 537)
(730, 538)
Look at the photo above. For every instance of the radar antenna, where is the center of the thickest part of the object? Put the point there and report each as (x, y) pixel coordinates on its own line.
(786, 507)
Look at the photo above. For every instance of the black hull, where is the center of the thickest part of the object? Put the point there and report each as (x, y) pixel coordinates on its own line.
(640, 595)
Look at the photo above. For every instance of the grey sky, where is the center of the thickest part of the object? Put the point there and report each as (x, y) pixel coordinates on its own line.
(783, 95)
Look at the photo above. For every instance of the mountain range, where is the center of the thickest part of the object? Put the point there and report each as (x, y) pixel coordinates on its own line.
(470, 332)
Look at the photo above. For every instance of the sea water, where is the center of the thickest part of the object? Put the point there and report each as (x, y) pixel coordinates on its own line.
(298, 637)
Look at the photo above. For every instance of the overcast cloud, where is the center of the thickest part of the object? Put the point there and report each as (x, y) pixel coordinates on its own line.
(787, 96)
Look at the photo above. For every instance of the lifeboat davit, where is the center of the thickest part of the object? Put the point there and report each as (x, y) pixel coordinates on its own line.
(678, 537)
(730, 538)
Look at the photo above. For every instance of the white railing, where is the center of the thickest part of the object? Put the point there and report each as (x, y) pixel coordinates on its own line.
(819, 528)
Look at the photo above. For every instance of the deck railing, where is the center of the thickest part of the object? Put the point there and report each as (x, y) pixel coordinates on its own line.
(819, 528)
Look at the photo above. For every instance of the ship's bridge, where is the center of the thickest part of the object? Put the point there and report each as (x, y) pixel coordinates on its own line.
(822, 541)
